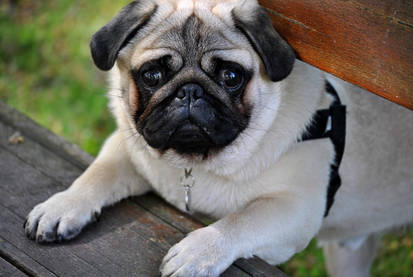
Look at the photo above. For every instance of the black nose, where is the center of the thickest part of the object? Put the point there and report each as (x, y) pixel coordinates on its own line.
(190, 91)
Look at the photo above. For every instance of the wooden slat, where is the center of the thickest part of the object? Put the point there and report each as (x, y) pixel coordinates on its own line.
(368, 43)
(58, 145)
(19, 193)
(128, 241)
(7, 270)
(50, 164)
(257, 267)
(167, 213)
(23, 261)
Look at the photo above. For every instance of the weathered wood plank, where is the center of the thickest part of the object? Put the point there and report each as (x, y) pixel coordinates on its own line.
(22, 260)
(169, 214)
(39, 157)
(8, 270)
(57, 260)
(106, 246)
(58, 145)
(257, 267)
(368, 43)
(234, 271)
(15, 202)
(25, 185)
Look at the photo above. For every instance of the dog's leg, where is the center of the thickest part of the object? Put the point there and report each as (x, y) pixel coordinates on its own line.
(110, 178)
(269, 228)
(274, 226)
(344, 259)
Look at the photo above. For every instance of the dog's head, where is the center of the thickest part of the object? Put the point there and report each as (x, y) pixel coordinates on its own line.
(192, 73)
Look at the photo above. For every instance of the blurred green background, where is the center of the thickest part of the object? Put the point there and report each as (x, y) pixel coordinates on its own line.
(46, 72)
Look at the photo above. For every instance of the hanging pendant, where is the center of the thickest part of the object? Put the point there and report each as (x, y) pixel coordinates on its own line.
(187, 182)
(187, 198)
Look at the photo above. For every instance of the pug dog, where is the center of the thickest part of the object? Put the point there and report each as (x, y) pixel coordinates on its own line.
(206, 93)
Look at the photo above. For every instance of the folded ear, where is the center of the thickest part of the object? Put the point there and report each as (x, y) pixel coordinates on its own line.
(111, 38)
(277, 56)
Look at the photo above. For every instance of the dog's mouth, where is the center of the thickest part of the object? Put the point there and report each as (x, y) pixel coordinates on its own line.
(190, 139)
(186, 138)
(195, 131)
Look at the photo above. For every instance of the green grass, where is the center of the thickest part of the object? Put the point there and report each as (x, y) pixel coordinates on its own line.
(394, 258)
(46, 72)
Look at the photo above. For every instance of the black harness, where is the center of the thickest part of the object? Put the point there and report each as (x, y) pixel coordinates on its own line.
(330, 123)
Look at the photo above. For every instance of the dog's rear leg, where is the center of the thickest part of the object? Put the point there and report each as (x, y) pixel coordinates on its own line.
(351, 257)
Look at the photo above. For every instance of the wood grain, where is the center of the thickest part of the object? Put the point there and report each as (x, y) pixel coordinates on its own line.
(22, 261)
(368, 43)
(8, 270)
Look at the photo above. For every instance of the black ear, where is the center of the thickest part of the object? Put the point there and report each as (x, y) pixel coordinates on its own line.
(277, 56)
(111, 38)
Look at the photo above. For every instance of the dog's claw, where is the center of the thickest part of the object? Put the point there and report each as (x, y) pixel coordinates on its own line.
(39, 239)
(96, 216)
(58, 219)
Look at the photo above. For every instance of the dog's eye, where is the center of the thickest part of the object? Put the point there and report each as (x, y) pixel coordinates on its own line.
(231, 79)
(152, 78)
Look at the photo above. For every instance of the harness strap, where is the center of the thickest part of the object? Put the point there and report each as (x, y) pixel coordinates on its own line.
(330, 123)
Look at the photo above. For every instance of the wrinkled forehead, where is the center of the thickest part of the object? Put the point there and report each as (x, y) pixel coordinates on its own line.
(192, 33)
(218, 7)
(192, 38)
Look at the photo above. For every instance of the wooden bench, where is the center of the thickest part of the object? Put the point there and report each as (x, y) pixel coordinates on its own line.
(131, 238)
(366, 42)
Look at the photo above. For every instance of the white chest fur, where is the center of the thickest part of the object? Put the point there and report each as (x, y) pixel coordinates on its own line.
(218, 196)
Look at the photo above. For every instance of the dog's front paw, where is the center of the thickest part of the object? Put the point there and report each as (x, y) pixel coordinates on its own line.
(61, 217)
(204, 252)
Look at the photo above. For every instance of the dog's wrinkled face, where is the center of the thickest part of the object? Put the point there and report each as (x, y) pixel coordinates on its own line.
(188, 67)
(188, 103)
